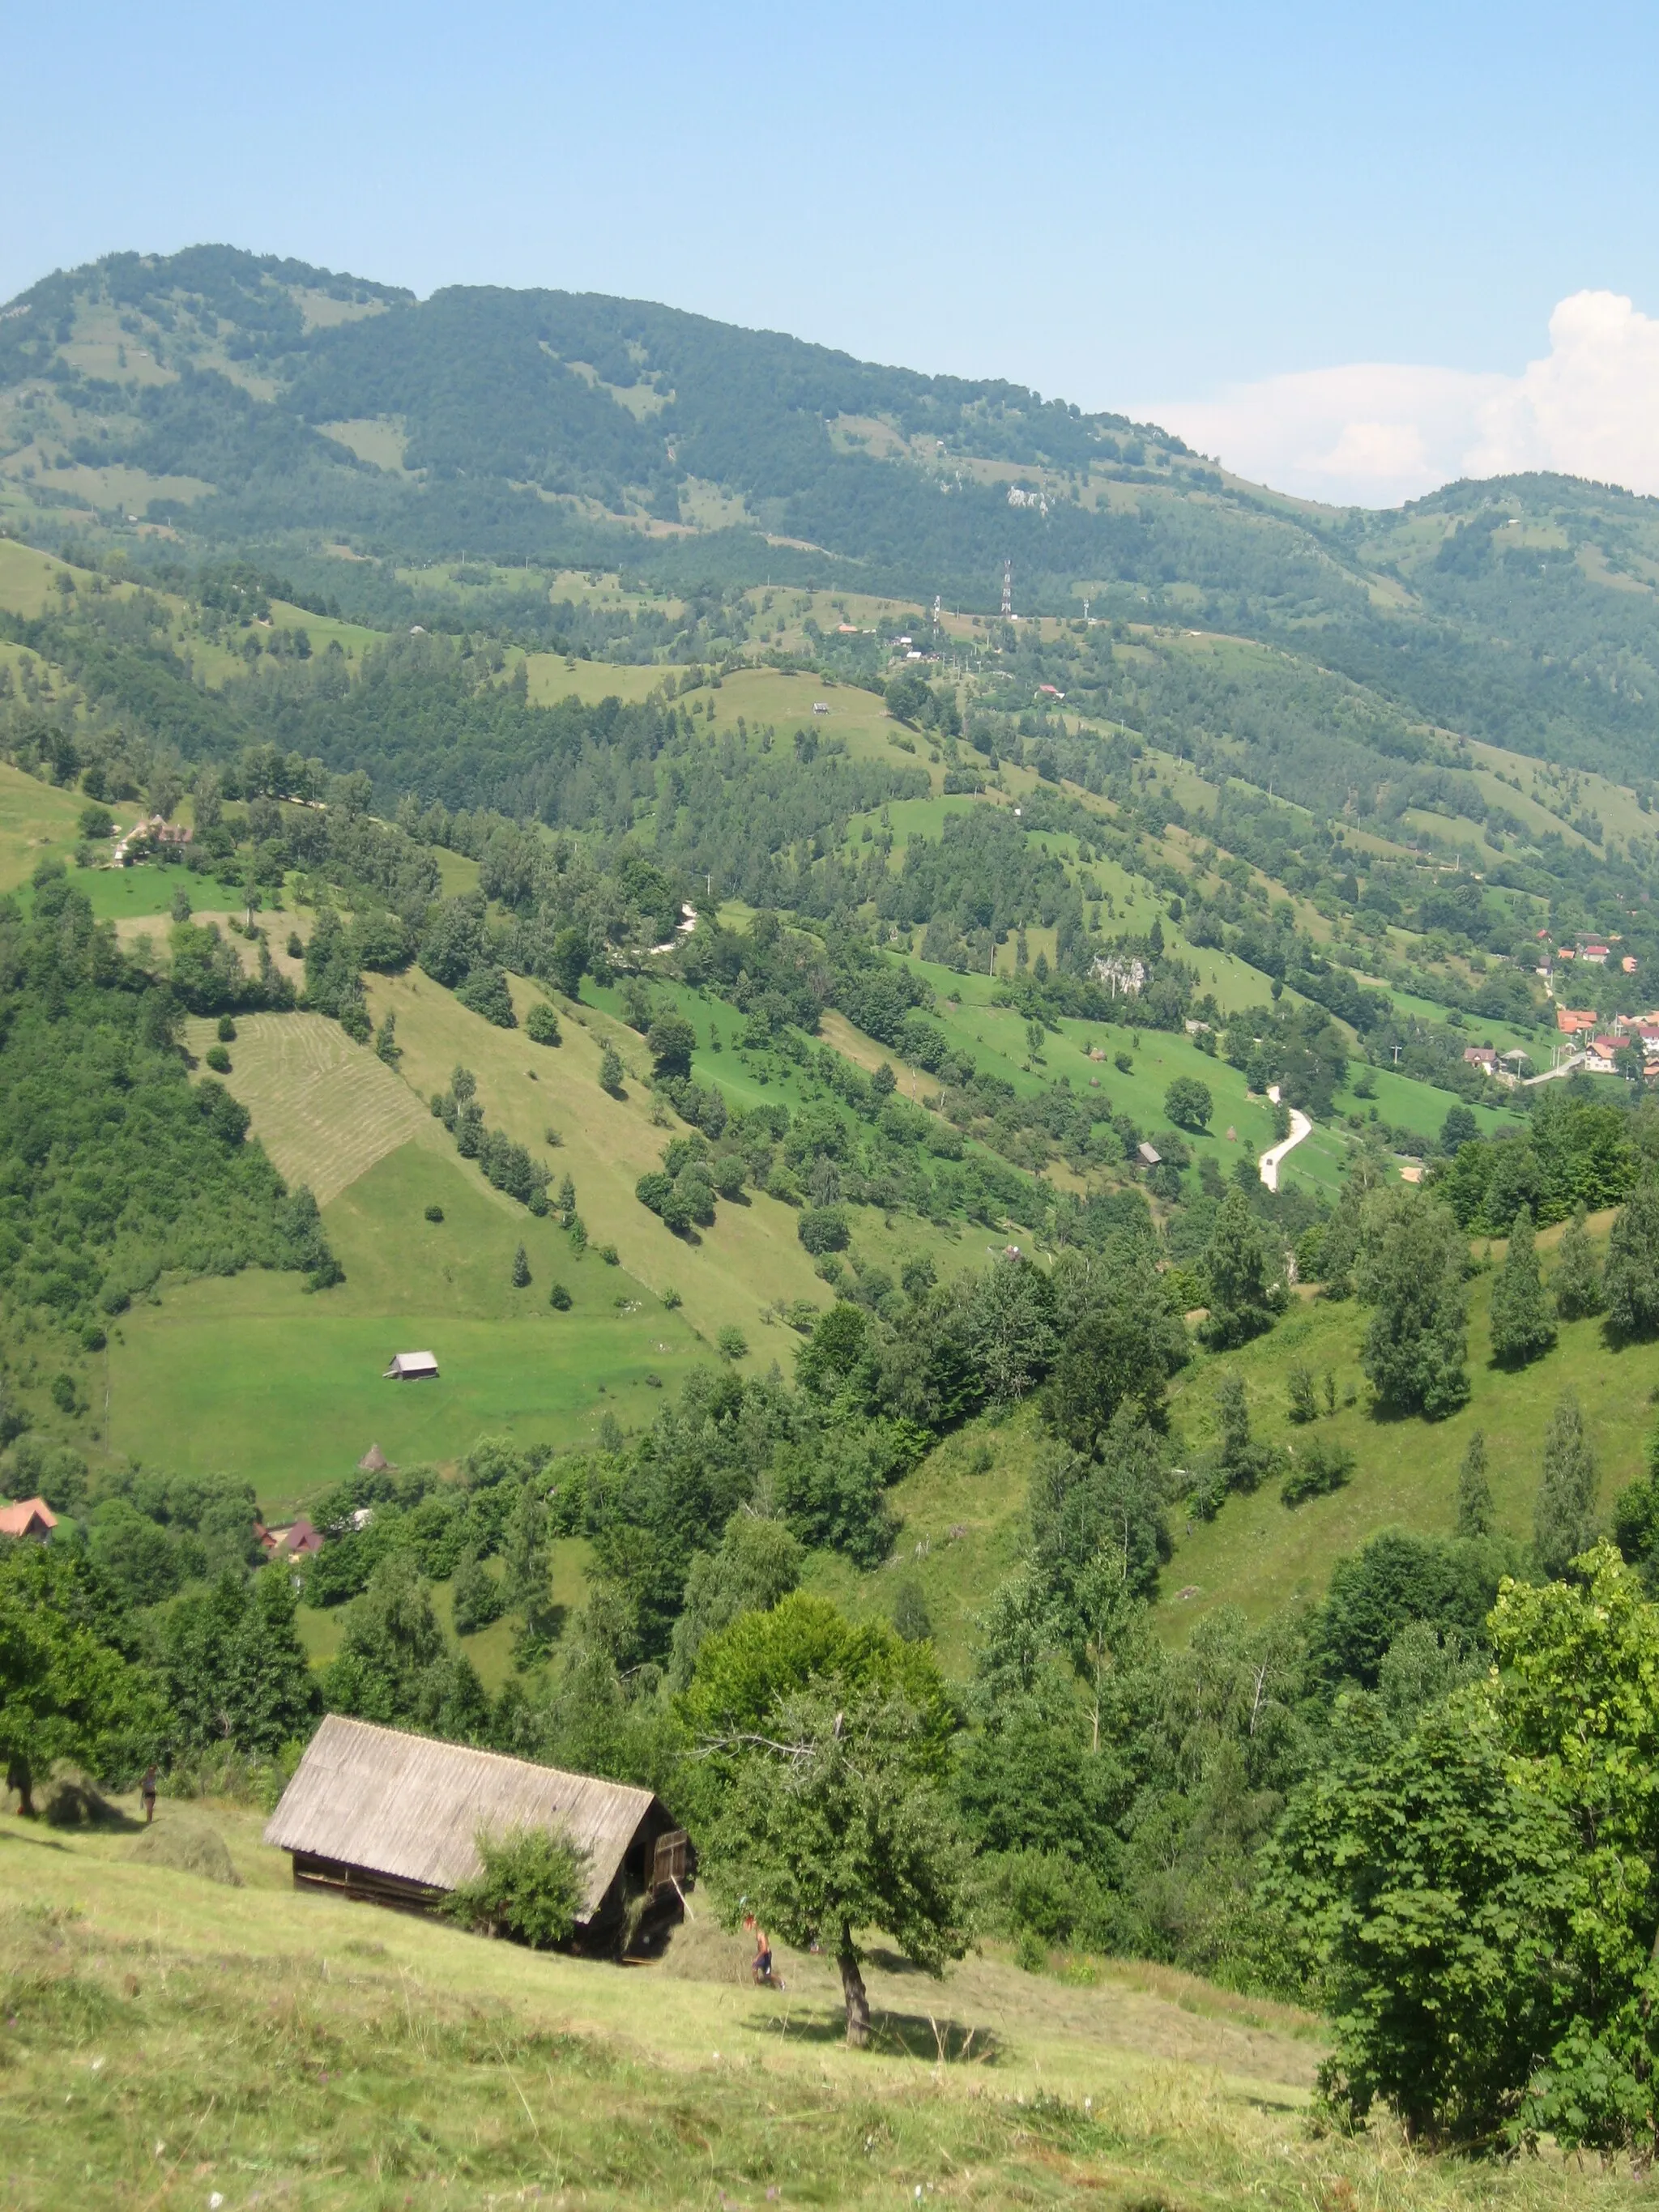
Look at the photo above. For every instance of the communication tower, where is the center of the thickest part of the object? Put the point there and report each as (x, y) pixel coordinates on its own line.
(1007, 591)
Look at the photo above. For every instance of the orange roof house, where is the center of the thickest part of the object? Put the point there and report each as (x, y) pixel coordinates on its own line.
(1571, 1019)
(32, 1518)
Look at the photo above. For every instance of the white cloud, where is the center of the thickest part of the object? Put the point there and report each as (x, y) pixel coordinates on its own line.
(1372, 433)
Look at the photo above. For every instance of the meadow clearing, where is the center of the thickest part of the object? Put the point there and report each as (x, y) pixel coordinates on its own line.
(167, 2040)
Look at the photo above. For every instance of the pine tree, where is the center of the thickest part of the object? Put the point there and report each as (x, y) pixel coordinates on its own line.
(567, 1200)
(1631, 1283)
(1564, 1518)
(1522, 1329)
(611, 1070)
(520, 1268)
(1576, 1281)
(1475, 1508)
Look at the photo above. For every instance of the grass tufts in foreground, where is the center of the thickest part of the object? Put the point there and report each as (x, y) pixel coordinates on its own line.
(165, 2041)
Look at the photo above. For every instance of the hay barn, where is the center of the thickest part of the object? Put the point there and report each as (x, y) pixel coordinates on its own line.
(378, 1814)
(412, 1367)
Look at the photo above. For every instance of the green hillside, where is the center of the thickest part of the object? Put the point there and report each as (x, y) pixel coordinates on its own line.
(971, 1181)
(270, 2040)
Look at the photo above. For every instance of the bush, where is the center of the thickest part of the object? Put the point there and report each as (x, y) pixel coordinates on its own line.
(823, 1229)
(559, 1298)
(1299, 1389)
(671, 1298)
(541, 1024)
(530, 1888)
(610, 1255)
(1320, 1467)
(611, 1071)
(732, 1343)
(218, 1060)
(485, 993)
(227, 1029)
(434, 1213)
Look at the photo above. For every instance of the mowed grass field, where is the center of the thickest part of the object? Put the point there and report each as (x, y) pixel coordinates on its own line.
(254, 1377)
(167, 2040)
(325, 1109)
(37, 821)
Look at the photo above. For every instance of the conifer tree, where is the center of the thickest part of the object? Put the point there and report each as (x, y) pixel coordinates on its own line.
(1576, 1281)
(610, 1070)
(1631, 1283)
(1522, 1329)
(1564, 1516)
(520, 1268)
(1475, 1508)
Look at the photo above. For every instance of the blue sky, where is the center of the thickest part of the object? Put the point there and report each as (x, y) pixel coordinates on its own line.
(1174, 208)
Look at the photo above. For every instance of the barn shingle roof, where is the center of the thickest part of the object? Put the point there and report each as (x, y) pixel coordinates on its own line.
(406, 1805)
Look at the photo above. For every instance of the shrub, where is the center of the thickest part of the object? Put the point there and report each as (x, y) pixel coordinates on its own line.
(1299, 1389)
(530, 1887)
(671, 1298)
(434, 1213)
(559, 1298)
(1320, 1467)
(541, 1024)
(227, 1029)
(218, 1060)
(823, 1229)
(732, 1343)
(485, 993)
(610, 1255)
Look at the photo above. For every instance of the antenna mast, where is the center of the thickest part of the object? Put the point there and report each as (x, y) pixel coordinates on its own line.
(1007, 591)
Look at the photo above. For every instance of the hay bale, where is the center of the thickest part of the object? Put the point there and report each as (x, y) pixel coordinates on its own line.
(187, 1850)
(701, 1950)
(73, 1800)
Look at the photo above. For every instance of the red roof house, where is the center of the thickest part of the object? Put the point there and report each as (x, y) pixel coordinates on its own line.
(32, 1518)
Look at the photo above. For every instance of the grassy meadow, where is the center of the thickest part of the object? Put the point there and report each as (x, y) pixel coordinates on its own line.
(167, 2040)
(37, 821)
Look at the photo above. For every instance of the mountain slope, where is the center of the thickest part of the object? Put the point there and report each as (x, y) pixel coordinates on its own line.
(240, 398)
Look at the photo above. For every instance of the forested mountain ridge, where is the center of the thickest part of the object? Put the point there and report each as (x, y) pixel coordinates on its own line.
(243, 400)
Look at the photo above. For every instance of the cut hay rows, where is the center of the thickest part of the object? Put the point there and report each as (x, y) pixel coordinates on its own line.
(325, 1109)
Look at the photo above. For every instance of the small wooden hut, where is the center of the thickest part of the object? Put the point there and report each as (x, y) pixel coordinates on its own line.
(412, 1367)
(379, 1815)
